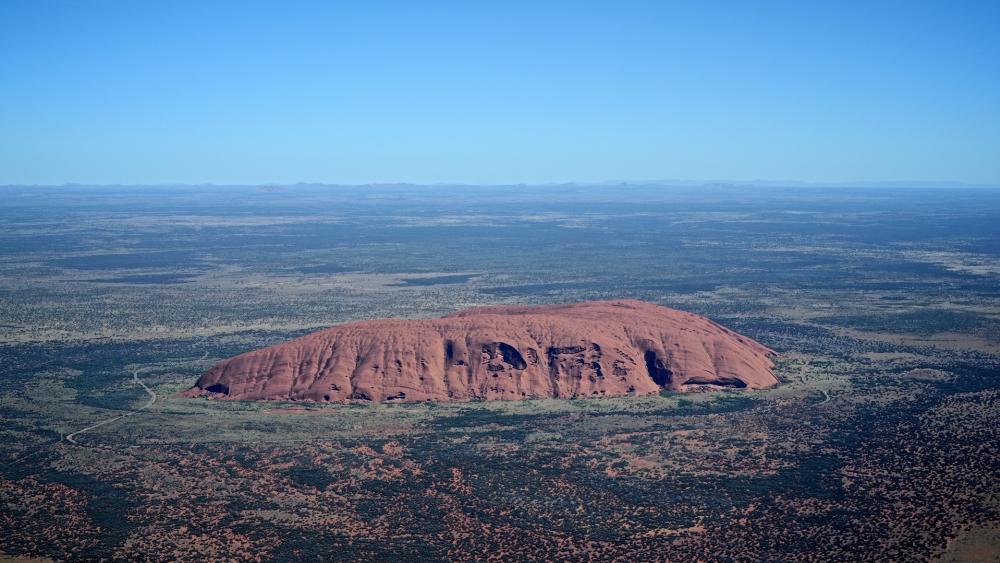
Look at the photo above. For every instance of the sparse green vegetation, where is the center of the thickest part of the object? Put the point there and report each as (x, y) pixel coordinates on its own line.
(879, 444)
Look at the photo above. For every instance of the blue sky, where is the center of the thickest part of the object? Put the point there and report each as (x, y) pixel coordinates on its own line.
(498, 92)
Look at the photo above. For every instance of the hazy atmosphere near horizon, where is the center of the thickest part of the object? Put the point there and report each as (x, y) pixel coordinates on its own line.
(117, 92)
(499, 281)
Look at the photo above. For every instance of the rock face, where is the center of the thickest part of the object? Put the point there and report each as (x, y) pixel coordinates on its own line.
(592, 349)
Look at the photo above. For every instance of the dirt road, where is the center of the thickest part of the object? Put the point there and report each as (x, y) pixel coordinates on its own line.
(71, 438)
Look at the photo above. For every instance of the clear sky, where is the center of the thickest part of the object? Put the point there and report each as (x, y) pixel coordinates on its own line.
(498, 92)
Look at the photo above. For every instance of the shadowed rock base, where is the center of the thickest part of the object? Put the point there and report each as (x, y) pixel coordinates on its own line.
(592, 349)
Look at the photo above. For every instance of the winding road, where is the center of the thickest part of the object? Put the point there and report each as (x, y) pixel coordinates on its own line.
(71, 438)
(826, 397)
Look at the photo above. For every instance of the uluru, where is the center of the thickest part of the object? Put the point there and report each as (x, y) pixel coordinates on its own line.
(590, 349)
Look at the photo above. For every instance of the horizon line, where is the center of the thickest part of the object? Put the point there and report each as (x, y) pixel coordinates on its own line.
(923, 184)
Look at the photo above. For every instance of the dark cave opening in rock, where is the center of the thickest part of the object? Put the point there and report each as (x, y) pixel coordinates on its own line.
(721, 382)
(509, 354)
(218, 388)
(659, 372)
